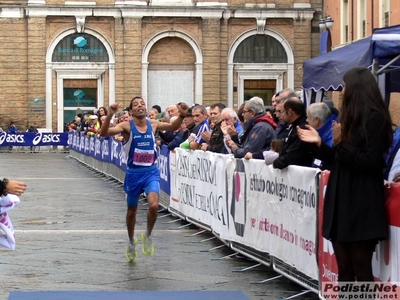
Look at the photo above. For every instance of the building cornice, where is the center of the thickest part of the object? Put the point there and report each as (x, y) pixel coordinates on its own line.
(140, 11)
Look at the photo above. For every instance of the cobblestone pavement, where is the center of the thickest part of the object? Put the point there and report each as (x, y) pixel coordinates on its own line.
(70, 235)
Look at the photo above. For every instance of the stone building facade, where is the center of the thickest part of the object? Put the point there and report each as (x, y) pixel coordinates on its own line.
(60, 56)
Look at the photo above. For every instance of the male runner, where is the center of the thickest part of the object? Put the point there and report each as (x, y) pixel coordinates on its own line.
(142, 174)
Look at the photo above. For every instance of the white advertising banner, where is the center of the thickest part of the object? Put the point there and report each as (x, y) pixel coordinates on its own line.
(248, 202)
(275, 211)
(199, 188)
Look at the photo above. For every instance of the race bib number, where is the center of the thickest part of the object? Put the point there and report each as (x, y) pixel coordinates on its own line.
(143, 157)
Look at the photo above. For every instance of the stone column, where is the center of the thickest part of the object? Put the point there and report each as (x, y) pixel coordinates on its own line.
(212, 61)
(36, 72)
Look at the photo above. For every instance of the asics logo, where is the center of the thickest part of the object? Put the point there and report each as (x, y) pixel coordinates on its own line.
(11, 138)
(2, 137)
(46, 138)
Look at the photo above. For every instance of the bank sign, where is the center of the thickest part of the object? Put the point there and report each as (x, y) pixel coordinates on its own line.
(80, 44)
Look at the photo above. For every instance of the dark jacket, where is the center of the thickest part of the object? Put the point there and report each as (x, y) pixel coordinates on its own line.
(32, 129)
(282, 131)
(259, 132)
(354, 201)
(167, 136)
(191, 127)
(294, 151)
(216, 139)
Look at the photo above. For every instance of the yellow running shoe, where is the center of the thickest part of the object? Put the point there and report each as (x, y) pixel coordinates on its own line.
(131, 253)
(148, 247)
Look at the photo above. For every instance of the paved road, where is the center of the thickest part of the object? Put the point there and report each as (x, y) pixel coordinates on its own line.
(70, 231)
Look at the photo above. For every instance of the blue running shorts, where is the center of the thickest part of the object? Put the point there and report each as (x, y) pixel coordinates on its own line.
(137, 182)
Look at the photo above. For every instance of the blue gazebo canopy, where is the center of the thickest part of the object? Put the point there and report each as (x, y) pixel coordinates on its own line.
(326, 71)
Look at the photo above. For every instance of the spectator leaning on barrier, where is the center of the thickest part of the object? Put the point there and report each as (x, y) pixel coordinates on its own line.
(231, 122)
(165, 117)
(32, 129)
(354, 216)
(12, 129)
(189, 121)
(94, 125)
(280, 99)
(158, 108)
(231, 127)
(320, 117)
(167, 136)
(79, 124)
(216, 137)
(259, 131)
(180, 135)
(200, 117)
(294, 151)
(153, 113)
(120, 117)
(172, 110)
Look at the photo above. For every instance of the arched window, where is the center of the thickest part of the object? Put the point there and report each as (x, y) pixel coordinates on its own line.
(260, 49)
(80, 47)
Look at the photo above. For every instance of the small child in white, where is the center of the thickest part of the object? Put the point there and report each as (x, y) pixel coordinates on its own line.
(273, 153)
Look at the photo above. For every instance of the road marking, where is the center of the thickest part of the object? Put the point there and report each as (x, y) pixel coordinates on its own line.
(95, 231)
(60, 178)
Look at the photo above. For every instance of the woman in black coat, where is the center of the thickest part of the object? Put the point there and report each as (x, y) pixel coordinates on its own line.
(354, 213)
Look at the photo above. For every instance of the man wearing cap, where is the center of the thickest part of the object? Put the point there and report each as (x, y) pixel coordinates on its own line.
(189, 121)
(142, 174)
(94, 125)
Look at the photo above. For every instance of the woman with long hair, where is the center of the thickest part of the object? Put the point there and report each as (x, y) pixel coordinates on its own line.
(354, 213)
(102, 111)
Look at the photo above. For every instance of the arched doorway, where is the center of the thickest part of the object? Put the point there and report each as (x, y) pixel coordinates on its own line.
(259, 65)
(81, 63)
(172, 70)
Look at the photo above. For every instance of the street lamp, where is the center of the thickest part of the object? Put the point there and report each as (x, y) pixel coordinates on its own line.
(326, 23)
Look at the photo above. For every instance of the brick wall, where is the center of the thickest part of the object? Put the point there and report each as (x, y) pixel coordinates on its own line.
(211, 61)
(23, 66)
(13, 75)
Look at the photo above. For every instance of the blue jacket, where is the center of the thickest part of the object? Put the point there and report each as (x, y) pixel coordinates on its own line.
(325, 132)
(12, 129)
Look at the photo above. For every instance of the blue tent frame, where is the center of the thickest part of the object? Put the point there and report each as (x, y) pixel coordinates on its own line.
(381, 52)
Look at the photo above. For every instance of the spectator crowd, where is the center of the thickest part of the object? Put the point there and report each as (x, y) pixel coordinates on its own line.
(250, 132)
